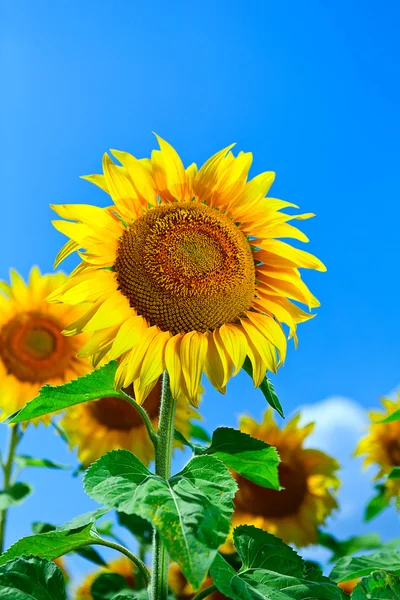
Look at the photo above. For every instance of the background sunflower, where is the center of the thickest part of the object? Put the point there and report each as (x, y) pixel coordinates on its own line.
(308, 477)
(32, 349)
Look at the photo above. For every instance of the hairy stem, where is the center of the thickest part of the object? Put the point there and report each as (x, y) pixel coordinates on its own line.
(159, 577)
(143, 414)
(137, 561)
(7, 472)
(204, 593)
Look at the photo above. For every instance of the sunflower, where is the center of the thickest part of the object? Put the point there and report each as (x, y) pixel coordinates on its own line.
(32, 349)
(111, 423)
(122, 566)
(382, 444)
(183, 590)
(307, 476)
(184, 271)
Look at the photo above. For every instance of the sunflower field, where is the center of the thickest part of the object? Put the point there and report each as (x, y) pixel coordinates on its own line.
(187, 276)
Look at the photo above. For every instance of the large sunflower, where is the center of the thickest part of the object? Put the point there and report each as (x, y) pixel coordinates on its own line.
(32, 349)
(110, 423)
(184, 271)
(123, 566)
(307, 476)
(382, 444)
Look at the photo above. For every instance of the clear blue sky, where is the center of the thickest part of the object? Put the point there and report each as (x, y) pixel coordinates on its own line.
(311, 88)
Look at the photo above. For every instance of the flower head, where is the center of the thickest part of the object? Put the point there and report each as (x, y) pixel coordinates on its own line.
(111, 423)
(122, 566)
(32, 349)
(184, 272)
(308, 477)
(381, 446)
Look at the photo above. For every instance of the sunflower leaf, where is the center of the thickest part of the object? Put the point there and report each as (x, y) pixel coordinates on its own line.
(264, 584)
(30, 577)
(140, 528)
(395, 416)
(394, 473)
(97, 384)
(377, 504)
(378, 586)
(15, 494)
(191, 511)
(52, 544)
(259, 549)
(369, 541)
(107, 585)
(22, 461)
(199, 433)
(252, 458)
(350, 567)
(266, 388)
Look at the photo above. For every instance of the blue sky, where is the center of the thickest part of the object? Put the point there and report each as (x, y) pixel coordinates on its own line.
(309, 87)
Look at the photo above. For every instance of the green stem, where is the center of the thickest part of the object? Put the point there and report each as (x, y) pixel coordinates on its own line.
(143, 414)
(204, 593)
(7, 472)
(139, 563)
(159, 577)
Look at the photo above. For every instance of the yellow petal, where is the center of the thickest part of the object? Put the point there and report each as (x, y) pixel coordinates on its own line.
(65, 251)
(213, 366)
(193, 354)
(173, 364)
(154, 362)
(129, 334)
(168, 170)
(235, 343)
(272, 331)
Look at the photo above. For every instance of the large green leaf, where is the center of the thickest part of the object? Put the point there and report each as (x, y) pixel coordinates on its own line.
(199, 433)
(22, 461)
(15, 494)
(378, 586)
(86, 552)
(377, 504)
(254, 459)
(31, 578)
(263, 584)
(191, 511)
(266, 387)
(259, 549)
(51, 398)
(350, 567)
(369, 541)
(140, 528)
(52, 544)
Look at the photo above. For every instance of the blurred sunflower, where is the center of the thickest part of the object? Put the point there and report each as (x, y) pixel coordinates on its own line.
(184, 271)
(110, 423)
(307, 476)
(348, 586)
(122, 566)
(183, 590)
(32, 349)
(61, 565)
(382, 444)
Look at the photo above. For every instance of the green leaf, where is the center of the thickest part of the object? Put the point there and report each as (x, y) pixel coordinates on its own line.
(263, 584)
(394, 473)
(52, 544)
(22, 461)
(107, 585)
(15, 494)
(140, 528)
(259, 549)
(266, 387)
(254, 459)
(369, 541)
(377, 504)
(191, 511)
(31, 578)
(96, 384)
(395, 416)
(378, 586)
(199, 433)
(86, 552)
(350, 567)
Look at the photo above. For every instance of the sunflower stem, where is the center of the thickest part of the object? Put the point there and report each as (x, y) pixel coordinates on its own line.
(137, 561)
(204, 593)
(15, 437)
(145, 417)
(159, 578)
